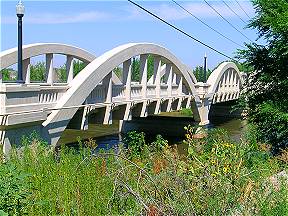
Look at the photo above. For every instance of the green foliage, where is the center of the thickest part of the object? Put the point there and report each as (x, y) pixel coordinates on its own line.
(199, 73)
(38, 72)
(14, 190)
(186, 112)
(118, 72)
(136, 68)
(7, 74)
(272, 125)
(266, 89)
(159, 144)
(78, 66)
(61, 73)
(135, 142)
(216, 177)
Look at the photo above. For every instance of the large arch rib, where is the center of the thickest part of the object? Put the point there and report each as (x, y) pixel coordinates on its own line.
(82, 85)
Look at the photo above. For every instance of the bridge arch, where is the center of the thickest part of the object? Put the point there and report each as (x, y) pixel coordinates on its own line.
(9, 57)
(91, 76)
(225, 82)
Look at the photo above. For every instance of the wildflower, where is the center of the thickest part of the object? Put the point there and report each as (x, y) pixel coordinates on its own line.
(225, 169)
(213, 161)
(188, 136)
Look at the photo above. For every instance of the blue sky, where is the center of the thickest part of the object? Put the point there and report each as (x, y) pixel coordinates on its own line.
(99, 26)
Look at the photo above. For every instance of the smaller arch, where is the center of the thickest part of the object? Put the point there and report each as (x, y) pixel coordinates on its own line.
(9, 57)
(216, 75)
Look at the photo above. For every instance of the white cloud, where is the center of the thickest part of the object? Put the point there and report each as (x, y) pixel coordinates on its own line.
(171, 11)
(56, 18)
(166, 10)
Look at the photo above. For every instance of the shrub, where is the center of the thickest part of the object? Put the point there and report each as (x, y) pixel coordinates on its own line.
(14, 190)
(136, 143)
(272, 126)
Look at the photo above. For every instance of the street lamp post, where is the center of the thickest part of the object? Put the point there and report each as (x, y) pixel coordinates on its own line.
(205, 68)
(20, 13)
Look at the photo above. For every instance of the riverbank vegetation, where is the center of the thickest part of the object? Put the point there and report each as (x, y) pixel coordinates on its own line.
(265, 95)
(217, 176)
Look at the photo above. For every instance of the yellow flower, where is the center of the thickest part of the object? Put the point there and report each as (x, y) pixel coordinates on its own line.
(225, 169)
(213, 161)
(188, 136)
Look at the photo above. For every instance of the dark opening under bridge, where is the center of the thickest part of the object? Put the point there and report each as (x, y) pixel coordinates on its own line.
(49, 107)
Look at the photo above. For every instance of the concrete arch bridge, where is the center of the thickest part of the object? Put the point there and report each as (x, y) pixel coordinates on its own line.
(50, 107)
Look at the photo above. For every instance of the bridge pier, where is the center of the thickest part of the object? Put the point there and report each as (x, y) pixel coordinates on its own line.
(205, 102)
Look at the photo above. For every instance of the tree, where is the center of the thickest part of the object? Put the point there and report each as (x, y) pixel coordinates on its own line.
(266, 92)
(8, 74)
(78, 66)
(199, 73)
(38, 72)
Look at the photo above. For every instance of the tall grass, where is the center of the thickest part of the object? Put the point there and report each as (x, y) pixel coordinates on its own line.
(216, 177)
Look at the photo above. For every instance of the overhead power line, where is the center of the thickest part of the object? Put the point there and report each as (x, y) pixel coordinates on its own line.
(207, 24)
(234, 12)
(227, 20)
(183, 32)
(243, 9)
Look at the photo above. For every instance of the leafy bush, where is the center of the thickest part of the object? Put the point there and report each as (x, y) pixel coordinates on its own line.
(272, 125)
(136, 143)
(14, 190)
(159, 144)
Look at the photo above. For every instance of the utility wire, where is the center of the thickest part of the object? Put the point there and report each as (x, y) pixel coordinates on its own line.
(234, 12)
(183, 32)
(226, 20)
(207, 25)
(243, 9)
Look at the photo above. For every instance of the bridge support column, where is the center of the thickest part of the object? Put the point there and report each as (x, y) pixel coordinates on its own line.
(26, 70)
(205, 102)
(157, 75)
(144, 112)
(157, 107)
(49, 68)
(143, 74)
(108, 115)
(69, 68)
(127, 70)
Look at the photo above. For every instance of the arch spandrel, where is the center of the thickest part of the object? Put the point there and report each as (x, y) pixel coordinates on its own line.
(82, 85)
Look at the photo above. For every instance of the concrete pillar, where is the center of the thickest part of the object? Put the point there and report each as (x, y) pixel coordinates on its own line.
(169, 104)
(26, 71)
(84, 121)
(188, 104)
(107, 84)
(169, 73)
(108, 115)
(179, 104)
(174, 78)
(180, 84)
(127, 70)
(143, 74)
(157, 107)
(128, 113)
(49, 68)
(205, 102)
(144, 112)
(157, 75)
(69, 68)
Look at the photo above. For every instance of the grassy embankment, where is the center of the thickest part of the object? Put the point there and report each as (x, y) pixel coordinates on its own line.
(216, 177)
